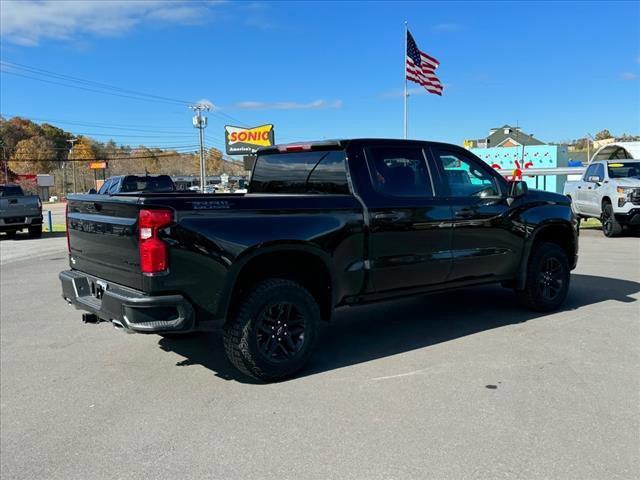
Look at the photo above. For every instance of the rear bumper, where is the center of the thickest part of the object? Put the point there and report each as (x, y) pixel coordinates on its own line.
(125, 307)
(632, 217)
(17, 223)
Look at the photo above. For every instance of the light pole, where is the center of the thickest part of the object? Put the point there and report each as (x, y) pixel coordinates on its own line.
(200, 123)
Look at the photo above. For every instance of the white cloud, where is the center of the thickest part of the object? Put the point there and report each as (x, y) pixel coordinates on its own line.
(28, 22)
(447, 27)
(628, 76)
(317, 104)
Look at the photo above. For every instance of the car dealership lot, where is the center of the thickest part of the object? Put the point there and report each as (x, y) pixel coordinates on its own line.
(457, 385)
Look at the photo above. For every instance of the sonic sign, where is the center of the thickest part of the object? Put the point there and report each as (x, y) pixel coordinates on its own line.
(243, 141)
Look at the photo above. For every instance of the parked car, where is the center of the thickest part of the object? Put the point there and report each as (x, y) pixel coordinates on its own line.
(19, 211)
(137, 184)
(324, 225)
(608, 190)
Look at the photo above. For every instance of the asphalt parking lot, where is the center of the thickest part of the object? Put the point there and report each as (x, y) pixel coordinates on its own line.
(460, 385)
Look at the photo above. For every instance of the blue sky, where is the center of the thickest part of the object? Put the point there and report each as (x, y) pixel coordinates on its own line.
(326, 70)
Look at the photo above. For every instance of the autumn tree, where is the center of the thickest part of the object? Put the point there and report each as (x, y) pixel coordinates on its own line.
(16, 129)
(144, 159)
(80, 156)
(33, 155)
(59, 138)
(214, 161)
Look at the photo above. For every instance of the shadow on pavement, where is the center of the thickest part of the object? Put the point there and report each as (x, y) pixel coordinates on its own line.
(25, 236)
(362, 334)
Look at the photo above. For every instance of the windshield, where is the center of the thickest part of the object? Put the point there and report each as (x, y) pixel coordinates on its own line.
(10, 190)
(162, 183)
(624, 170)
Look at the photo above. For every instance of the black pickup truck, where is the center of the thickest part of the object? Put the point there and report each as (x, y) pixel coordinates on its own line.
(323, 225)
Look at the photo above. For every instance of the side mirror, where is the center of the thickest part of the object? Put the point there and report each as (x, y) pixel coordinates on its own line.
(594, 179)
(92, 191)
(518, 188)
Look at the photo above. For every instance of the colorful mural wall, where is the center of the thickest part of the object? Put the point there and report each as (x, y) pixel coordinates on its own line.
(534, 156)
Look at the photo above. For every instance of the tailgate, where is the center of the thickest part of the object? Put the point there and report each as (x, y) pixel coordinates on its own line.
(19, 206)
(103, 238)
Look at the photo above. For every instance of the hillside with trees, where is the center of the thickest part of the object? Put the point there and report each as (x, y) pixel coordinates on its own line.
(30, 148)
(581, 143)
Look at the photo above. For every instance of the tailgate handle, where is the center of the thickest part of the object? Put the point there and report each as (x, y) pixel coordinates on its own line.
(97, 206)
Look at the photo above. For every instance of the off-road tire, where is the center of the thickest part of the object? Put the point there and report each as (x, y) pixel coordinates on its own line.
(35, 232)
(532, 296)
(241, 333)
(610, 226)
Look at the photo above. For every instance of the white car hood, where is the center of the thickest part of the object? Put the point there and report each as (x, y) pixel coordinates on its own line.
(626, 182)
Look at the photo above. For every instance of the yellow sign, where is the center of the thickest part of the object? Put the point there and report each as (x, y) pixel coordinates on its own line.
(97, 165)
(240, 140)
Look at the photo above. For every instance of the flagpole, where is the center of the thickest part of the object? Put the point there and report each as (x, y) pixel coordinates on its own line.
(404, 73)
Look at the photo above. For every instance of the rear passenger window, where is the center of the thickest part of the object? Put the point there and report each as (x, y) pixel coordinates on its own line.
(400, 171)
(318, 171)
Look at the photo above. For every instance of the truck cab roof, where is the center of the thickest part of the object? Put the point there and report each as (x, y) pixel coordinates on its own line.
(344, 142)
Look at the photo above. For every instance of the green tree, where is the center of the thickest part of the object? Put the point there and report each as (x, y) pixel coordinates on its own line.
(603, 134)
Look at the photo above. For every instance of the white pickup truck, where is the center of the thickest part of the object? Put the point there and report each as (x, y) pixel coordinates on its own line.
(609, 190)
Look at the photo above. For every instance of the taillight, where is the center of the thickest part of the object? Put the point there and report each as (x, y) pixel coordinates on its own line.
(66, 221)
(153, 251)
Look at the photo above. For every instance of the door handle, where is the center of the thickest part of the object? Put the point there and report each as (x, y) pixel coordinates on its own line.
(388, 216)
(464, 213)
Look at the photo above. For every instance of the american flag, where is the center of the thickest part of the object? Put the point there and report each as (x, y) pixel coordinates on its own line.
(421, 68)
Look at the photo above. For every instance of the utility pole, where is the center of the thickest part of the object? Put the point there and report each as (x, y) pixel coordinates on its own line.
(200, 123)
(73, 165)
(5, 161)
(588, 147)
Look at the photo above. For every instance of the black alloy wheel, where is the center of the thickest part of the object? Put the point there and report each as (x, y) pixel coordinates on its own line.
(547, 279)
(280, 334)
(273, 331)
(551, 279)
